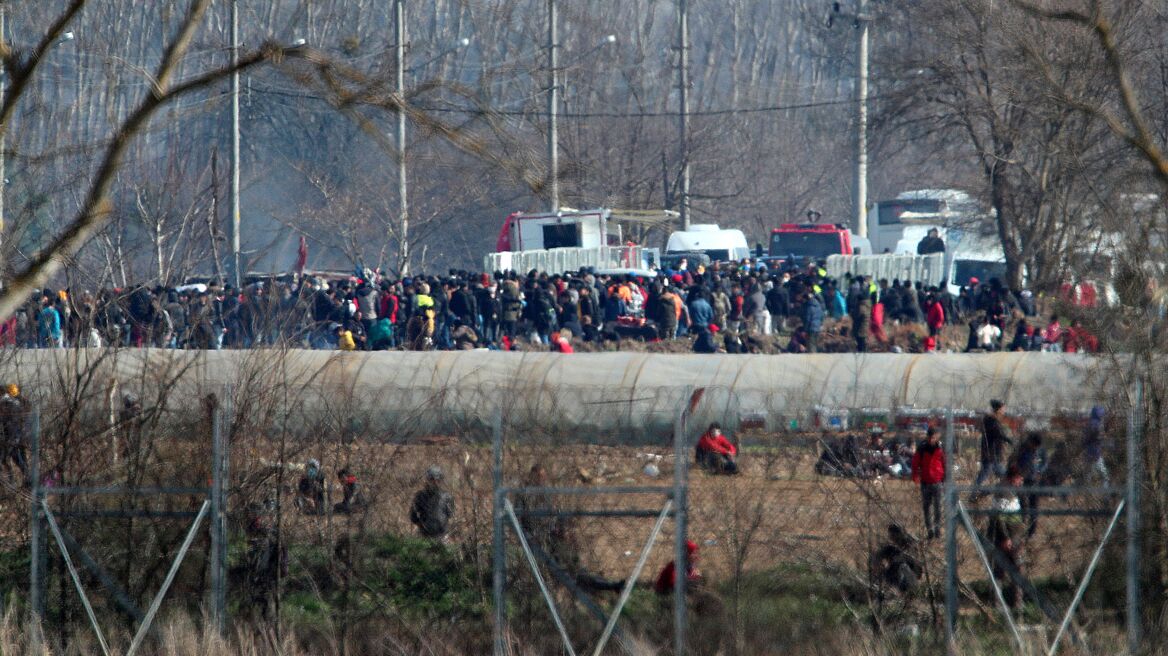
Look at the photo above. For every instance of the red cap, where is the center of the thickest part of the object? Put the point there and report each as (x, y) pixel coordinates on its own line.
(973, 281)
(713, 327)
(691, 547)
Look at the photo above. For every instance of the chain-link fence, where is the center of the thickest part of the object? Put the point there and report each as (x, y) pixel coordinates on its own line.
(328, 542)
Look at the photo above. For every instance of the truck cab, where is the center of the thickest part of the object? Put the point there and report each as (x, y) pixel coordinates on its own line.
(810, 241)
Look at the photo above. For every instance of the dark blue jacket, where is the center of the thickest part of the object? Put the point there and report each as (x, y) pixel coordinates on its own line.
(813, 314)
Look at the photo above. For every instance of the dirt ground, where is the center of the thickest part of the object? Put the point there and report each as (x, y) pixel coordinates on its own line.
(778, 510)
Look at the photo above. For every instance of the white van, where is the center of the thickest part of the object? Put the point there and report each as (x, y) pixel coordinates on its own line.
(721, 245)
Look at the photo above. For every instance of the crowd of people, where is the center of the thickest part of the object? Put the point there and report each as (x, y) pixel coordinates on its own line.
(718, 309)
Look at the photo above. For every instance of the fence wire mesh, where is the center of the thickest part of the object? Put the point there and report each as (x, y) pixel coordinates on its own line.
(793, 540)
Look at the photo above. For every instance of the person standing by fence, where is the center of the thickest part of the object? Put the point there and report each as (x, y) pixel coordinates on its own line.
(994, 438)
(928, 469)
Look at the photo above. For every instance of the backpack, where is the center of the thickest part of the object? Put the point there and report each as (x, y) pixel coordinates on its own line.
(511, 305)
(666, 311)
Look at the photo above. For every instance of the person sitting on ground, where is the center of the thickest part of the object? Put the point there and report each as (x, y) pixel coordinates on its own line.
(840, 457)
(988, 336)
(345, 341)
(311, 488)
(877, 457)
(561, 342)
(667, 578)
(351, 488)
(715, 453)
(732, 343)
(894, 564)
(432, 507)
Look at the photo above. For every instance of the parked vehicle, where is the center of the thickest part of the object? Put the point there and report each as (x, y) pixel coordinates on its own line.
(720, 245)
(911, 215)
(569, 240)
(812, 242)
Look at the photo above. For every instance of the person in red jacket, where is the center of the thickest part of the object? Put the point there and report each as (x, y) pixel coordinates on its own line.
(928, 469)
(668, 576)
(935, 317)
(561, 343)
(876, 325)
(715, 453)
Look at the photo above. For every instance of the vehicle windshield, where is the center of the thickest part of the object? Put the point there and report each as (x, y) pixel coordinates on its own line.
(890, 210)
(983, 270)
(718, 254)
(815, 245)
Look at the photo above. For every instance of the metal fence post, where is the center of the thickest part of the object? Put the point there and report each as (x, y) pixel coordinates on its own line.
(219, 516)
(36, 582)
(499, 556)
(680, 509)
(1135, 424)
(950, 538)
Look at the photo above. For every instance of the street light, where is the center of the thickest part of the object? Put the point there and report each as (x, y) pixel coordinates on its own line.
(553, 145)
(458, 45)
(860, 21)
(399, 12)
(683, 122)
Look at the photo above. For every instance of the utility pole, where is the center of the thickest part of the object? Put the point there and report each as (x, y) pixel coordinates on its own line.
(3, 142)
(553, 100)
(399, 11)
(683, 98)
(860, 183)
(236, 274)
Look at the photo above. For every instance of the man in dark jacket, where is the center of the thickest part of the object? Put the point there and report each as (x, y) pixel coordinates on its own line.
(463, 305)
(1030, 459)
(861, 319)
(812, 315)
(432, 507)
(932, 243)
(994, 438)
(928, 469)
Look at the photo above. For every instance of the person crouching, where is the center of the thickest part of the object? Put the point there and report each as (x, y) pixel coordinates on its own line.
(715, 453)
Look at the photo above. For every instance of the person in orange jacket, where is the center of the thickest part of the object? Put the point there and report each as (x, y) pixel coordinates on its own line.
(715, 453)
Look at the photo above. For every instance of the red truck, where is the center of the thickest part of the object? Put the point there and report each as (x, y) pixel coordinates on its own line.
(808, 242)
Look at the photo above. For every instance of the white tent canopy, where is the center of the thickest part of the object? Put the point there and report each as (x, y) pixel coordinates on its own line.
(607, 392)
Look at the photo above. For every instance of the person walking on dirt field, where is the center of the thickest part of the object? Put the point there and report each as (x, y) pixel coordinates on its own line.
(928, 469)
(13, 422)
(1004, 533)
(267, 559)
(1093, 447)
(1030, 459)
(994, 438)
(432, 507)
